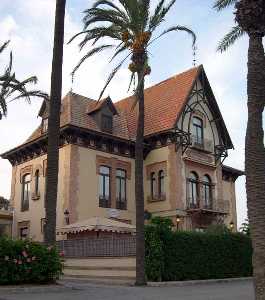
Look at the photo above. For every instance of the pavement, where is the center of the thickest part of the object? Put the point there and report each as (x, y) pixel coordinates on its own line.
(230, 290)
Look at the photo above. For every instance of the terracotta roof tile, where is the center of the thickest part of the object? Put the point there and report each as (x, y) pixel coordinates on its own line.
(163, 103)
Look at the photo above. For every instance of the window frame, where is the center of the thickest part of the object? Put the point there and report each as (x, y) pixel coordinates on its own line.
(108, 122)
(207, 195)
(103, 200)
(198, 130)
(37, 183)
(121, 202)
(193, 190)
(153, 184)
(25, 184)
(161, 184)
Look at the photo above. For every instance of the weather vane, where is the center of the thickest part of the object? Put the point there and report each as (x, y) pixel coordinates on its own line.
(194, 48)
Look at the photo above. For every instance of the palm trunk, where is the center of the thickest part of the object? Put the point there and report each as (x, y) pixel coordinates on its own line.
(54, 126)
(255, 160)
(139, 189)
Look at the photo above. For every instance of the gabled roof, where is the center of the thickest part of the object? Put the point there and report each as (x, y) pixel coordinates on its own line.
(164, 103)
(100, 104)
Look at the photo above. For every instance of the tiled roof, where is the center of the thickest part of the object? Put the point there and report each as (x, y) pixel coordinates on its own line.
(163, 104)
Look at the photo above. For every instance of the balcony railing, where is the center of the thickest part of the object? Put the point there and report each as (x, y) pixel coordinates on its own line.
(104, 202)
(202, 144)
(199, 204)
(121, 204)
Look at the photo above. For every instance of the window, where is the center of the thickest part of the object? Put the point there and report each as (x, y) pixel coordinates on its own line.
(198, 130)
(121, 189)
(23, 233)
(106, 123)
(207, 192)
(45, 125)
(104, 186)
(37, 183)
(25, 192)
(153, 185)
(193, 190)
(161, 184)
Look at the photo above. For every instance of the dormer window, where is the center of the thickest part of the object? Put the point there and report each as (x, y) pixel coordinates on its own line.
(44, 125)
(106, 123)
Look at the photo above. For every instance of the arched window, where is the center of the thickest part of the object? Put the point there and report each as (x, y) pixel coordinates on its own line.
(161, 183)
(207, 191)
(121, 189)
(198, 130)
(37, 183)
(26, 179)
(153, 185)
(193, 190)
(104, 186)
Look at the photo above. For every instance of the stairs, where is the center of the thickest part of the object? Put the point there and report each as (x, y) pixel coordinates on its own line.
(103, 268)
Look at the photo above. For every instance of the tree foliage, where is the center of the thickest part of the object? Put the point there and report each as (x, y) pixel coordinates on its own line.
(129, 26)
(12, 89)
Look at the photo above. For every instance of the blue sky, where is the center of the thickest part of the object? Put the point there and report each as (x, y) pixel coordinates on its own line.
(29, 25)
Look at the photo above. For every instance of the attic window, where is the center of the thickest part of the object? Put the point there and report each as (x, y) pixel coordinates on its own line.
(45, 125)
(106, 123)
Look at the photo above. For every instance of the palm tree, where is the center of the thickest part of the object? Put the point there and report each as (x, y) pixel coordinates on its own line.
(250, 17)
(12, 89)
(129, 26)
(54, 126)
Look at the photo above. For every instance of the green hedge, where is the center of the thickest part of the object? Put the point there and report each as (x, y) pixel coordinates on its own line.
(28, 262)
(193, 256)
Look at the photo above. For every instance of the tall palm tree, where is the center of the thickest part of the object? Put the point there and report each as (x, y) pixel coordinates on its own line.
(250, 19)
(11, 88)
(54, 125)
(129, 27)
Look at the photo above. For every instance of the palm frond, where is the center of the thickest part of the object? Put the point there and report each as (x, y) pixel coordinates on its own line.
(221, 4)
(158, 18)
(89, 54)
(230, 38)
(111, 76)
(108, 3)
(119, 51)
(3, 47)
(177, 28)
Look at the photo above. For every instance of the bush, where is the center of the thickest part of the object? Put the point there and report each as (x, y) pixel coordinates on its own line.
(194, 256)
(28, 262)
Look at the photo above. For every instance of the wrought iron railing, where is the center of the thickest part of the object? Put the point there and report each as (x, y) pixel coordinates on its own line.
(200, 203)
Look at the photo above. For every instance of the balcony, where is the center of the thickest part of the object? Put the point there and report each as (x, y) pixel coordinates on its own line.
(121, 204)
(104, 202)
(201, 144)
(199, 204)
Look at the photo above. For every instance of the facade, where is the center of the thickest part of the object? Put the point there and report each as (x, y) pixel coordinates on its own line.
(6, 218)
(186, 142)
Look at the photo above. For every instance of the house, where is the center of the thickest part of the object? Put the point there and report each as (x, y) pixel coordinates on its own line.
(186, 142)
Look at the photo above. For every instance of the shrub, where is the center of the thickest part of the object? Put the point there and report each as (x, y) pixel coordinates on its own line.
(28, 262)
(195, 256)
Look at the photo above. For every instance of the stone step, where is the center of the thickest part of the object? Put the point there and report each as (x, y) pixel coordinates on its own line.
(106, 268)
(100, 273)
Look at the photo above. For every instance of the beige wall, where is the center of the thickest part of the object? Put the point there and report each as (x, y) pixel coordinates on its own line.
(36, 207)
(87, 192)
(229, 196)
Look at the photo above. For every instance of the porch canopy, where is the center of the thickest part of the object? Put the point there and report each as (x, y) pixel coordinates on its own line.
(98, 224)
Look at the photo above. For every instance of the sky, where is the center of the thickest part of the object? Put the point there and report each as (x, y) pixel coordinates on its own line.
(29, 26)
